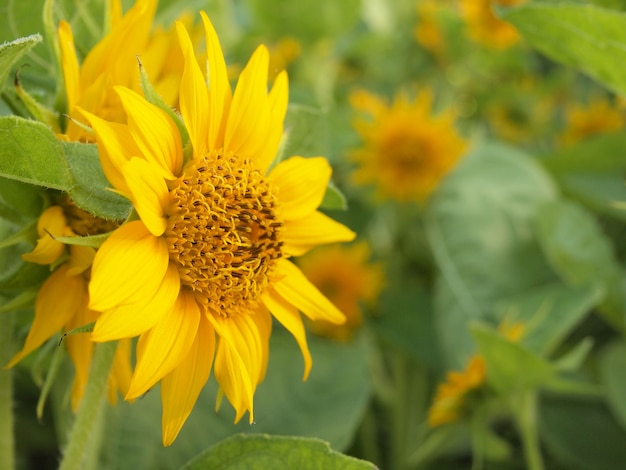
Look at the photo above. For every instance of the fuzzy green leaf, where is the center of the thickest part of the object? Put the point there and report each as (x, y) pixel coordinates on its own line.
(264, 451)
(11, 52)
(334, 199)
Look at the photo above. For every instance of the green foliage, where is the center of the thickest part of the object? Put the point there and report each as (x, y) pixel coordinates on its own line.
(265, 451)
(587, 37)
(12, 51)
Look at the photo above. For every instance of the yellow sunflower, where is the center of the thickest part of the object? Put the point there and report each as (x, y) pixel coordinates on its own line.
(598, 117)
(428, 31)
(485, 27)
(197, 275)
(113, 61)
(62, 301)
(347, 278)
(407, 150)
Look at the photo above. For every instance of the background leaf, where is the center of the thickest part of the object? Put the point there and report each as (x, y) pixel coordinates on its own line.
(265, 451)
(590, 38)
(10, 52)
(612, 365)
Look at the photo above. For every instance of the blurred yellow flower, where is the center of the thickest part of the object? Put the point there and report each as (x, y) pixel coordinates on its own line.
(113, 61)
(198, 274)
(283, 53)
(347, 278)
(62, 301)
(485, 27)
(598, 117)
(407, 150)
(427, 31)
(454, 396)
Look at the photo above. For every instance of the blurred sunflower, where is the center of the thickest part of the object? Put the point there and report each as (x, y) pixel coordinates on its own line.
(597, 117)
(427, 31)
(347, 278)
(407, 150)
(113, 61)
(485, 27)
(62, 301)
(454, 398)
(208, 256)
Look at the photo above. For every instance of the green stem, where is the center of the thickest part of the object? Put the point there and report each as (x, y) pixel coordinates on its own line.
(79, 446)
(526, 415)
(7, 444)
(399, 412)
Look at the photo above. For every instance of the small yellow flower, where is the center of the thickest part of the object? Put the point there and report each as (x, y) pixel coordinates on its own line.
(485, 27)
(62, 301)
(427, 31)
(197, 275)
(407, 150)
(283, 53)
(345, 276)
(598, 117)
(454, 396)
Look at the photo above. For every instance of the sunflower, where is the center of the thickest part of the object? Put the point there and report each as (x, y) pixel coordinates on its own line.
(113, 61)
(598, 117)
(347, 278)
(407, 151)
(198, 273)
(62, 301)
(428, 32)
(485, 27)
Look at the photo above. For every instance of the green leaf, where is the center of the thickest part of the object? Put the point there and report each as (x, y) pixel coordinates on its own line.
(578, 250)
(329, 406)
(581, 433)
(264, 451)
(334, 199)
(592, 172)
(30, 153)
(612, 365)
(573, 359)
(94, 241)
(590, 38)
(88, 328)
(21, 301)
(549, 313)
(479, 225)
(90, 188)
(11, 52)
(505, 360)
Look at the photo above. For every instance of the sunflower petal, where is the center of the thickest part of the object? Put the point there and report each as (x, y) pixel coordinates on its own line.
(129, 267)
(130, 320)
(220, 94)
(277, 101)
(181, 387)
(80, 349)
(149, 194)
(194, 97)
(290, 318)
(51, 223)
(301, 184)
(162, 349)
(297, 290)
(154, 132)
(59, 299)
(316, 229)
(69, 64)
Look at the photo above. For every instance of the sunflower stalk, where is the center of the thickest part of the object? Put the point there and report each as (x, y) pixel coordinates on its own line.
(80, 448)
(525, 411)
(7, 458)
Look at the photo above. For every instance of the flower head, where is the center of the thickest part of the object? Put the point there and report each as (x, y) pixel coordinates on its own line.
(485, 27)
(62, 301)
(407, 151)
(345, 276)
(198, 274)
(598, 117)
(428, 31)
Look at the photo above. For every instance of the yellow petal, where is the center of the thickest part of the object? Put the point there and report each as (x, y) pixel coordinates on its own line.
(149, 194)
(130, 320)
(154, 132)
(163, 348)
(128, 268)
(249, 110)
(316, 229)
(81, 258)
(181, 387)
(277, 101)
(51, 223)
(301, 184)
(69, 64)
(59, 299)
(121, 372)
(115, 147)
(80, 349)
(290, 318)
(220, 94)
(194, 97)
(296, 289)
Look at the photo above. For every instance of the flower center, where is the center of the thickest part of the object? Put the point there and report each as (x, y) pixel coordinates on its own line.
(223, 232)
(83, 223)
